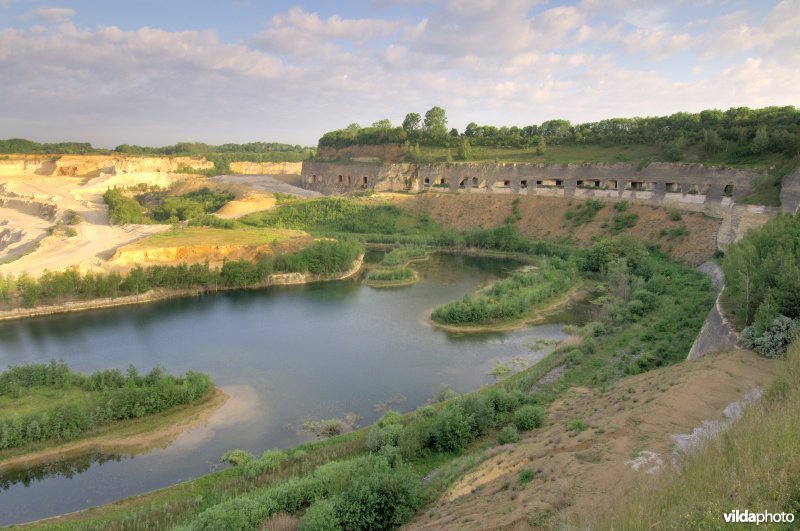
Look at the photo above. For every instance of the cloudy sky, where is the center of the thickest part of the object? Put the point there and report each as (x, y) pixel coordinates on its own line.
(157, 72)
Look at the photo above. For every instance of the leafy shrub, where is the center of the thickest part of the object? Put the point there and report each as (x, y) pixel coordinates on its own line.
(508, 434)
(525, 476)
(529, 417)
(775, 339)
(624, 221)
(237, 457)
(621, 206)
(385, 499)
(450, 429)
(321, 516)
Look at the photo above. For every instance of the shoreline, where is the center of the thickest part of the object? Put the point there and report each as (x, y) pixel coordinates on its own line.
(536, 316)
(125, 437)
(278, 279)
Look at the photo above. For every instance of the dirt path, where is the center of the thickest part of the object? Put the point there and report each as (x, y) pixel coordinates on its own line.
(578, 472)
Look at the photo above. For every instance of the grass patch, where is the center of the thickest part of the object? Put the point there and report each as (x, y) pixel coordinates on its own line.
(201, 236)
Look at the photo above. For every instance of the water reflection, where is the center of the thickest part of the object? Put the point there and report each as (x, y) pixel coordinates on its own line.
(65, 468)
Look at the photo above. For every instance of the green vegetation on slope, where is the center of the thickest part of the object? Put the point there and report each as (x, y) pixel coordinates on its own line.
(50, 402)
(762, 283)
(753, 465)
(380, 222)
(192, 206)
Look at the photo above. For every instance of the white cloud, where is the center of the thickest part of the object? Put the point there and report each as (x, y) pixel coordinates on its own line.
(515, 62)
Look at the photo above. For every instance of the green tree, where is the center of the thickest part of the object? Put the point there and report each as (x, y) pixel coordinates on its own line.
(411, 125)
(435, 125)
(541, 146)
(383, 124)
(760, 142)
(464, 150)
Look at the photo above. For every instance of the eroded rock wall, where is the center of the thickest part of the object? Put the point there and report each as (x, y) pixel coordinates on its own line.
(266, 168)
(96, 165)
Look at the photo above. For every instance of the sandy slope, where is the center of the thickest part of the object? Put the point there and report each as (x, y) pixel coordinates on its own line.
(578, 473)
(95, 241)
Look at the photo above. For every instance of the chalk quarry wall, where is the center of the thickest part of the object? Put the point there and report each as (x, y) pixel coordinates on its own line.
(95, 165)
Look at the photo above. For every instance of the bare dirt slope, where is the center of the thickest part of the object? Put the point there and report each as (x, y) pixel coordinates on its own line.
(266, 183)
(580, 472)
(545, 217)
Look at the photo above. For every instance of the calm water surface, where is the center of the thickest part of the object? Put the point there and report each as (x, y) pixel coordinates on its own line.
(283, 354)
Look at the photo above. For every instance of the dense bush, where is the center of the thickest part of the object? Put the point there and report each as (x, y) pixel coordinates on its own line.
(123, 209)
(391, 275)
(529, 417)
(190, 205)
(113, 397)
(362, 493)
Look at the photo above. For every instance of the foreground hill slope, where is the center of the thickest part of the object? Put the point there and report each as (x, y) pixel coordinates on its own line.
(596, 446)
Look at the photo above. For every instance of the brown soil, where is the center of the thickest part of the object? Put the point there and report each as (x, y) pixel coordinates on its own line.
(544, 217)
(576, 473)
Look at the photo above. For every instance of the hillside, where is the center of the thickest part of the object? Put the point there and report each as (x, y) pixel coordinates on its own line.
(690, 236)
(597, 446)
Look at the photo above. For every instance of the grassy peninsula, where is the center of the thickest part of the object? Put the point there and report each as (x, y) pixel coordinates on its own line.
(49, 404)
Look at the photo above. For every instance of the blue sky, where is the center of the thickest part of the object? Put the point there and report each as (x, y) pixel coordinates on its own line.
(157, 72)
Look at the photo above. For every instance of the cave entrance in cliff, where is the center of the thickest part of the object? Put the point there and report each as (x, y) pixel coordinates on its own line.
(474, 182)
(341, 179)
(523, 183)
(366, 180)
(442, 181)
(673, 188)
(349, 180)
(427, 181)
(728, 190)
(463, 183)
(314, 179)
